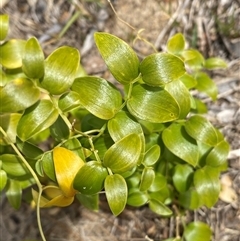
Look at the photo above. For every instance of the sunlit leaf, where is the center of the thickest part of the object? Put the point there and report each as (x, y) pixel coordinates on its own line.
(152, 155)
(4, 24)
(3, 179)
(188, 80)
(161, 68)
(116, 193)
(193, 58)
(120, 58)
(215, 63)
(69, 101)
(14, 193)
(176, 44)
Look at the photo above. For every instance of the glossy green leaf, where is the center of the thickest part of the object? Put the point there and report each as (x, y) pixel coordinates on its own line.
(3, 179)
(69, 101)
(147, 178)
(206, 181)
(190, 199)
(4, 24)
(197, 231)
(89, 201)
(159, 208)
(193, 58)
(60, 130)
(11, 53)
(116, 193)
(152, 104)
(188, 80)
(29, 150)
(182, 176)
(181, 95)
(137, 199)
(60, 70)
(48, 166)
(152, 155)
(176, 44)
(119, 57)
(202, 130)
(14, 193)
(90, 178)
(123, 124)
(13, 165)
(33, 59)
(205, 84)
(161, 68)
(199, 106)
(161, 195)
(36, 119)
(159, 183)
(9, 124)
(18, 95)
(124, 154)
(218, 155)
(181, 144)
(98, 96)
(215, 63)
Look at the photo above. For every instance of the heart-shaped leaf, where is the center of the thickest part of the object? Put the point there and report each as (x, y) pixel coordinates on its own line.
(14, 193)
(124, 154)
(98, 96)
(116, 193)
(90, 178)
(161, 68)
(159, 208)
(36, 119)
(197, 231)
(206, 181)
(202, 130)
(119, 57)
(18, 95)
(60, 70)
(11, 53)
(33, 59)
(4, 24)
(66, 164)
(176, 44)
(152, 104)
(177, 140)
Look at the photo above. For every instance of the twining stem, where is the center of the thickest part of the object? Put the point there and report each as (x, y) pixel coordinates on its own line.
(39, 185)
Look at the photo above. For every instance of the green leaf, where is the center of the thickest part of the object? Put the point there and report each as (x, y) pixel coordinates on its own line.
(116, 193)
(13, 165)
(181, 144)
(98, 96)
(11, 53)
(147, 178)
(176, 44)
(152, 104)
(152, 155)
(202, 130)
(14, 193)
(89, 201)
(60, 70)
(36, 119)
(197, 231)
(206, 181)
(182, 96)
(199, 106)
(206, 85)
(161, 195)
(123, 124)
(182, 176)
(3, 179)
(159, 183)
(193, 58)
(48, 166)
(159, 208)
(9, 124)
(124, 154)
(161, 68)
(60, 130)
(18, 95)
(90, 178)
(69, 101)
(137, 199)
(190, 199)
(4, 24)
(29, 150)
(33, 59)
(215, 63)
(119, 57)
(218, 155)
(188, 80)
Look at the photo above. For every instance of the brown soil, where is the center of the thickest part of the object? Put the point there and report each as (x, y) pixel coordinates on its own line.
(197, 20)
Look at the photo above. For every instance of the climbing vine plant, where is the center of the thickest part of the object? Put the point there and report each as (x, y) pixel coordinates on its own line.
(146, 143)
